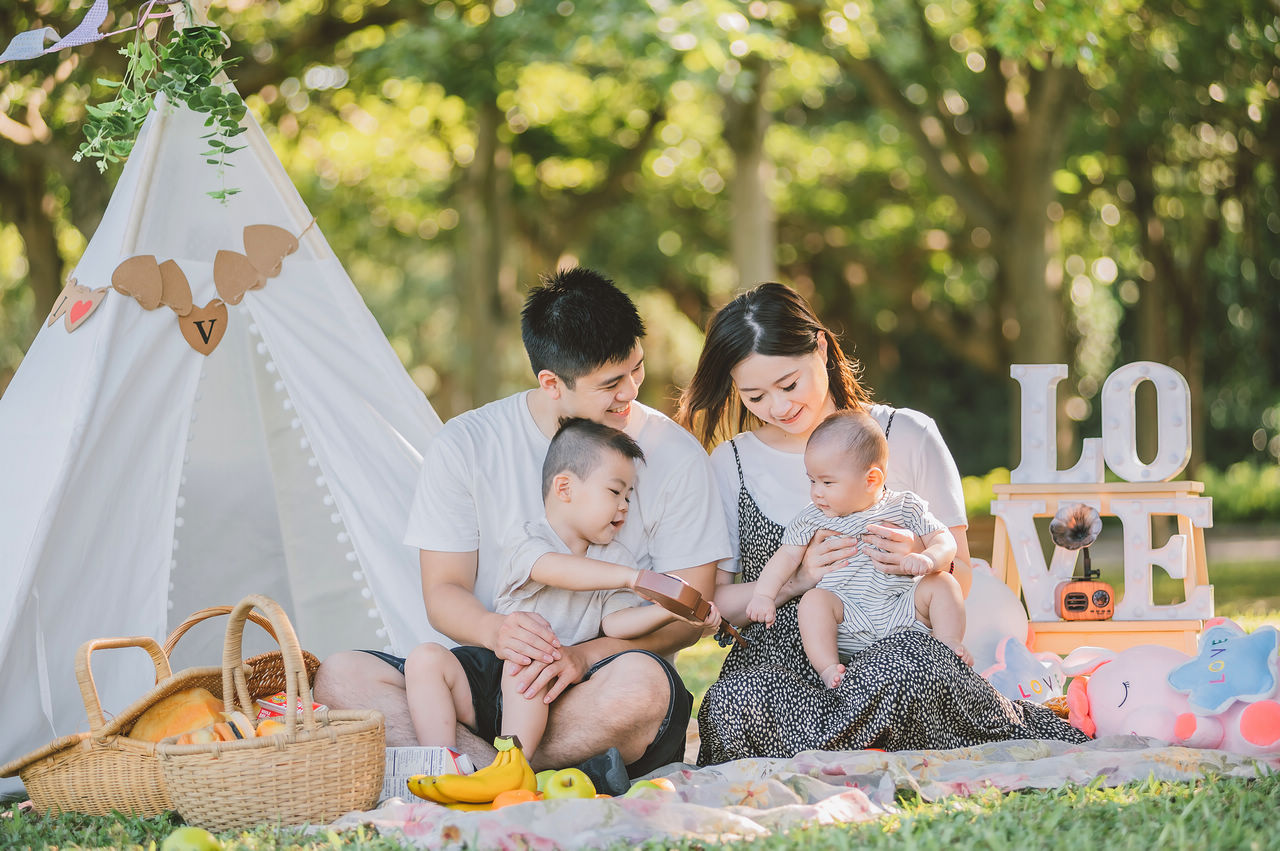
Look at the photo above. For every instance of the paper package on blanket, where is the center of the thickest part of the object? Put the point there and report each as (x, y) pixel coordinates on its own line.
(403, 763)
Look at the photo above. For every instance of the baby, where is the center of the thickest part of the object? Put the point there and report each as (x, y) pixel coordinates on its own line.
(856, 605)
(566, 567)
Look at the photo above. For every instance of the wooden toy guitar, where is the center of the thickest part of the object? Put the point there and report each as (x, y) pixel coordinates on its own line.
(682, 600)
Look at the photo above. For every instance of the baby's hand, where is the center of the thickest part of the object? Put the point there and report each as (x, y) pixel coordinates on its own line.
(761, 609)
(917, 564)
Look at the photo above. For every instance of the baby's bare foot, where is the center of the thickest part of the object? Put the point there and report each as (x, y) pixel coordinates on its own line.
(833, 674)
(961, 651)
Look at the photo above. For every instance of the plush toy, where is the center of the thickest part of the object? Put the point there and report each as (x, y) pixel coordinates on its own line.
(1232, 688)
(992, 613)
(1126, 692)
(1019, 674)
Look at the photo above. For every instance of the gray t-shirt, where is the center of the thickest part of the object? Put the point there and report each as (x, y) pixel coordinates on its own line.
(575, 616)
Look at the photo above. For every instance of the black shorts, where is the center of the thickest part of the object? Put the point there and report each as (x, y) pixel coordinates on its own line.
(484, 675)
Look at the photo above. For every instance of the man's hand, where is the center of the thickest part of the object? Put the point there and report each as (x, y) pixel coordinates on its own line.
(555, 676)
(526, 637)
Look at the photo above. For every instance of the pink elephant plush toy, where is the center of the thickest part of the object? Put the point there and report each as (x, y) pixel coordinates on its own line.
(1232, 687)
(1127, 692)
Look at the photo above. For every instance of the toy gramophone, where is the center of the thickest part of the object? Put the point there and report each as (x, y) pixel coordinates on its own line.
(1075, 527)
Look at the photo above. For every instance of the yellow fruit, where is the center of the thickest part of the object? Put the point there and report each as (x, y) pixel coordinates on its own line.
(484, 785)
(269, 727)
(424, 787)
(469, 807)
(187, 710)
(190, 839)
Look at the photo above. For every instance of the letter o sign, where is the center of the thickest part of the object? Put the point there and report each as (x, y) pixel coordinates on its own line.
(1119, 422)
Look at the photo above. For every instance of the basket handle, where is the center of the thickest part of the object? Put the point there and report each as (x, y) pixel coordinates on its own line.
(84, 673)
(204, 614)
(234, 680)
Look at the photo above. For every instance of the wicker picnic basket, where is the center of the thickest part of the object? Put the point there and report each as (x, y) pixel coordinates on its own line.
(323, 765)
(105, 770)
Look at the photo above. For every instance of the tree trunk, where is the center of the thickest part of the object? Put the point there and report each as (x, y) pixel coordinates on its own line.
(753, 239)
(35, 225)
(482, 263)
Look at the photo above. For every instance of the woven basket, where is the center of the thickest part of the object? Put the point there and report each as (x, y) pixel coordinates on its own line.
(104, 770)
(100, 771)
(323, 765)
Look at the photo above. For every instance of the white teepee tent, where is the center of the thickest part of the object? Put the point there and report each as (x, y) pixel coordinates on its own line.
(141, 480)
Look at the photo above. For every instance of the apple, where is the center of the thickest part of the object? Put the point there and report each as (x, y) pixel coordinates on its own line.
(660, 783)
(569, 783)
(191, 839)
(542, 778)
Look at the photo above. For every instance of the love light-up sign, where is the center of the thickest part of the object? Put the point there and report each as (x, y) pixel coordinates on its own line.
(1118, 447)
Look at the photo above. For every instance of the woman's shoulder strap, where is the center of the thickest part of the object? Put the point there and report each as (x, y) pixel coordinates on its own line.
(888, 425)
(737, 459)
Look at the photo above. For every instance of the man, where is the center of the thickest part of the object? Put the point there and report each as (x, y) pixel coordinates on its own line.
(482, 474)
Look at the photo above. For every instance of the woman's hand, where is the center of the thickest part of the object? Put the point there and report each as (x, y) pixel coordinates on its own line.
(888, 547)
(526, 637)
(826, 551)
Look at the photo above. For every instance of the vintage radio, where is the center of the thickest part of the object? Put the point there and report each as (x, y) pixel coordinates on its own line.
(1082, 599)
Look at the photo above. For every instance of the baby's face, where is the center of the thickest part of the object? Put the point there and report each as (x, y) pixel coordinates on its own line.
(600, 501)
(837, 485)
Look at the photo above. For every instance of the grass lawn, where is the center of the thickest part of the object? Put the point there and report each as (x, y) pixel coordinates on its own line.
(1212, 813)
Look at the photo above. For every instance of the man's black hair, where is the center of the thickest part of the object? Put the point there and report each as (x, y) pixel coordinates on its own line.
(576, 322)
(578, 447)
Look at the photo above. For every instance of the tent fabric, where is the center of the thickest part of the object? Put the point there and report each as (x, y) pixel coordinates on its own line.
(141, 481)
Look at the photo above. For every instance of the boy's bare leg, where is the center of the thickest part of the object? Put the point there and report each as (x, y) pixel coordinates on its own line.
(820, 614)
(525, 717)
(940, 606)
(622, 705)
(438, 694)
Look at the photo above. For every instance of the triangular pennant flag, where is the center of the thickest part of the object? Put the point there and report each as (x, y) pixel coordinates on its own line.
(87, 30)
(28, 45)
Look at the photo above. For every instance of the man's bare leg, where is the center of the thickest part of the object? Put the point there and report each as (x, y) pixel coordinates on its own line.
(622, 706)
(352, 679)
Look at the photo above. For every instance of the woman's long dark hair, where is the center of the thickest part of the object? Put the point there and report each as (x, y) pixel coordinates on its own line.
(771, 319)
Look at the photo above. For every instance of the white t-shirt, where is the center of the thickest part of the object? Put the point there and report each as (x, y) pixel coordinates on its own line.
(575, 616)
(918, 461)
(482, 474)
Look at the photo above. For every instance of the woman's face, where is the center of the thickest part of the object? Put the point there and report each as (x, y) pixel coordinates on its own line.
(788, 392)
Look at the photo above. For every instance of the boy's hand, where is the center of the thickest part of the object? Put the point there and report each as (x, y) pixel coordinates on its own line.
(916, 564)
(761, 609)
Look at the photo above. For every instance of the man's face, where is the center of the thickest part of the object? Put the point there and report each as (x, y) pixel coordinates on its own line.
(605, 394)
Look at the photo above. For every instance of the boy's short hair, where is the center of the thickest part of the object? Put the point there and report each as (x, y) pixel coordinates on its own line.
(577, 321)
(857, 434)
(578, 446)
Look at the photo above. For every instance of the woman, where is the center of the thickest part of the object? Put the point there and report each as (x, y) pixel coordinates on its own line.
(772, 371)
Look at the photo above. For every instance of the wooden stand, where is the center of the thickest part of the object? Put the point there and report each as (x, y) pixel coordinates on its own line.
(1062, 637)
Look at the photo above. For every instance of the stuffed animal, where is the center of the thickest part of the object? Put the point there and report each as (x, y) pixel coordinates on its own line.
(1232, 688)
(1019, 674)
(992, 613)
(1126, 692)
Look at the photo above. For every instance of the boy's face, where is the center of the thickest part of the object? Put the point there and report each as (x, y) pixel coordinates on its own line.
(838, 486)
(605, 394)
(600, 501)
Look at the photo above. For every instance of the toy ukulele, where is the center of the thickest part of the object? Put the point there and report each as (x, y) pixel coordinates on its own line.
(684, 601)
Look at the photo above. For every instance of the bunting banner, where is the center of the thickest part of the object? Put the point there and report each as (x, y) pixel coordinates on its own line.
(31, 44)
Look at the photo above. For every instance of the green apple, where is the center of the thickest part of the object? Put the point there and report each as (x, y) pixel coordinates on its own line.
(191, 839)
(660, 783)
(543, 777)
(569, 783)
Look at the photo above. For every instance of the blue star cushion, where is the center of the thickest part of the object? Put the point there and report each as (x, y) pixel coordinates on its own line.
(1232, 665)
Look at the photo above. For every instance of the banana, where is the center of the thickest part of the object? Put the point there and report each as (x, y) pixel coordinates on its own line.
(470, 808)
(484, 785)
(529, 780)
(424, 786)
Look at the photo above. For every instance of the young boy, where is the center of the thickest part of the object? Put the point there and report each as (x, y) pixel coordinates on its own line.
(854, 606)
(568, 568)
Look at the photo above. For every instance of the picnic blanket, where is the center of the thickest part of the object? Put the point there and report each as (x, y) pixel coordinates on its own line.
(753, 797)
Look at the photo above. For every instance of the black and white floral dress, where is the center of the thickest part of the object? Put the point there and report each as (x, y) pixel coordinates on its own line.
(906, 692)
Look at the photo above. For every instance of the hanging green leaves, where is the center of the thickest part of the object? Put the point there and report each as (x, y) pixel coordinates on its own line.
(186, 71)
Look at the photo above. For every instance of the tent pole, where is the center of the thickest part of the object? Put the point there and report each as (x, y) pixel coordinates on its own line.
(130, 242)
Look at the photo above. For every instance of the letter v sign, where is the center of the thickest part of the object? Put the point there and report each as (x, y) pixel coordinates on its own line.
(204, 327)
